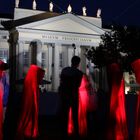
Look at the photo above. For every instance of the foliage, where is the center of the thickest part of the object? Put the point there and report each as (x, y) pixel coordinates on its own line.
(121, 45)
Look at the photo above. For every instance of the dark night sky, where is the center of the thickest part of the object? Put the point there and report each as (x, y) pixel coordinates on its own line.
(124, 12)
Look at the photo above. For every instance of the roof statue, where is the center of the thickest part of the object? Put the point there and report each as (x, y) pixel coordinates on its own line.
(17, 3)
(84, 11)
(69, 9)
(98, 13)
(34, 5)
(51, 7)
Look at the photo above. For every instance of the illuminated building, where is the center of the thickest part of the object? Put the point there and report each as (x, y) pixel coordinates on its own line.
(47, 39)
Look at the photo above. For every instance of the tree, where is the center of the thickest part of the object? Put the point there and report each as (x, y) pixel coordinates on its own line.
(120, 44)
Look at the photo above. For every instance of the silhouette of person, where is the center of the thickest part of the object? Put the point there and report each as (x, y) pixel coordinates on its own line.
(70, 80)
(28, 118)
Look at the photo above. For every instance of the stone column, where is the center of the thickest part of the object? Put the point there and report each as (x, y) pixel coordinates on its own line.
(50, 67)
(65, 55)
(33, 52)
(19, 66)
(39, 53)
(55, 67)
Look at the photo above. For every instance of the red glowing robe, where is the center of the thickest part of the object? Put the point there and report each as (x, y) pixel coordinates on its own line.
(82, 110)
(28, 120)
(117, 115)
(136, 68)
(2, 67)
(1, 111)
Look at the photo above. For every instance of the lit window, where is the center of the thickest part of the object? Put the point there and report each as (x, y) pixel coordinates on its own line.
(4, 54)
(131, 86)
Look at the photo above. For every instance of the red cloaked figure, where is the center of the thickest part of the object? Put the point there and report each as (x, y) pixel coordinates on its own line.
(82, 109)
(1, 106)
(2, 68)
(136, 68)
(1, 112)
(28, 119)
(70, 123)
(83, 105)
(117, 115)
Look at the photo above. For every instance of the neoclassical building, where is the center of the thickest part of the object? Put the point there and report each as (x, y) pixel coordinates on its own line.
(47, 39)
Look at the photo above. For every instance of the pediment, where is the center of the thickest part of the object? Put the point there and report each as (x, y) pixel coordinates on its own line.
(65, 23)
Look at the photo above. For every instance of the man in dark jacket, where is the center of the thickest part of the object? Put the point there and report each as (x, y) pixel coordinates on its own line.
(70, 80)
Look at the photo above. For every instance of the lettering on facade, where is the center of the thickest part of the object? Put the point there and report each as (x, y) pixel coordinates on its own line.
(50, 37)
(69, 38)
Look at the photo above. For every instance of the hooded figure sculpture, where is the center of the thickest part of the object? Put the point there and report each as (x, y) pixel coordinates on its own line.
(136, 68)
(28, 118)
(3, 66)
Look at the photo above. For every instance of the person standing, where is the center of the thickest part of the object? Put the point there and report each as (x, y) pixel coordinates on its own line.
(70, 80)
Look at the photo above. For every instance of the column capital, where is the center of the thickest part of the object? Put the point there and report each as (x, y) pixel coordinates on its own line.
(13, 36)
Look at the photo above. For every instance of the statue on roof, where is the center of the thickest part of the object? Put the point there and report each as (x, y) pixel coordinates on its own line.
(17, 3)
(84, 11)
(34, 4)
(51, 7)
(69, 9)
(98, 13)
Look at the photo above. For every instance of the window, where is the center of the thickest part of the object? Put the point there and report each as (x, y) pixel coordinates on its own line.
(26, 58)
(131, 86)
(4, 54)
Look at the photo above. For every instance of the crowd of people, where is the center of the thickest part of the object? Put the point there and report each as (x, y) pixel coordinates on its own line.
(78, 100)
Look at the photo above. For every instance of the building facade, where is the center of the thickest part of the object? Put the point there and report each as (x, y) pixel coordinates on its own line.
(47, 39)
